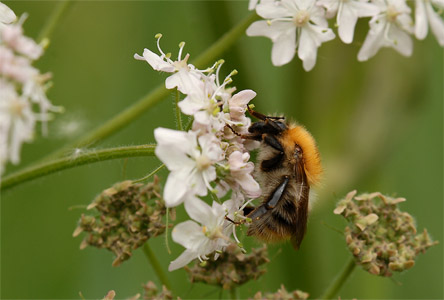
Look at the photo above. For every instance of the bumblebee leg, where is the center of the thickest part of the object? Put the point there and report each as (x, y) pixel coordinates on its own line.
(271, 203)
(277, 194)
(273, 142)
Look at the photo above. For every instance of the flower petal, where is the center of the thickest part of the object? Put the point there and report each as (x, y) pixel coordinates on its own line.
(199, 211)
(284, 47)
(176, 188)
(373, 42)
(346, 22)
(155, 61)
(186, 257)
(436, 24)
(187, 233)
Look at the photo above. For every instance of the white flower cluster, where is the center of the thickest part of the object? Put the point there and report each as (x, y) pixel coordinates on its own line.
(302, 25)
(208, 159)
(21, 88)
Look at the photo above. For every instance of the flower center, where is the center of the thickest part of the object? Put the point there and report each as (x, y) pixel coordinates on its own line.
(203, 163)
(301, 18)
(392, 13)
(16, 108)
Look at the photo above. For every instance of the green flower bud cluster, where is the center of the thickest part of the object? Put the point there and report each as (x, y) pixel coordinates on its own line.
(232, 268)
(128, 215)
(381, 237)
(281, 294)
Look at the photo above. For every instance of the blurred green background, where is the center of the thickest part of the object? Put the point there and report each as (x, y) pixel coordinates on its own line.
(378, 124)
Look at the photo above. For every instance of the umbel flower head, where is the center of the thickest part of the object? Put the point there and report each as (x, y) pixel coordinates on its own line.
(208, 158)
(129, 214)
(231, 269)
(381, 237)
(22, 88)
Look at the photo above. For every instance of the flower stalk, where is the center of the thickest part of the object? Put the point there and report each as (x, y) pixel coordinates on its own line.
(77, 159)
(54, 18)
(156, 265)
(339, 281)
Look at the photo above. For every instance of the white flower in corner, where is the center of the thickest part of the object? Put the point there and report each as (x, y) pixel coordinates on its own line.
(424, 15)
(7, 16)
(390, 28)
(347, 13)
(186, 77)
(200, 240)
(191, 161)
(292, 24)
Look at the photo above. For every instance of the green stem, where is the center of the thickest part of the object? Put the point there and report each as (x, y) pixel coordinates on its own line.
(150, 174)
(53, 19)
(156, 265)
(339, 281)
(178, 113)
(79, 159)
(233, 293)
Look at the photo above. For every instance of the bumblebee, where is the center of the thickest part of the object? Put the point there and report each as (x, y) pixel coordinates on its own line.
(288, 165)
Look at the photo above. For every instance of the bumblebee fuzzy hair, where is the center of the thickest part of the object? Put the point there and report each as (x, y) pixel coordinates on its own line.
(297, 134)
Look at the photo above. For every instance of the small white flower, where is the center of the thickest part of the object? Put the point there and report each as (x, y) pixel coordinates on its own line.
(293, 24)
(12, 36)
(424, 15)
(200, 240)
(7, 16)
(17, 122)
(347, 13)
(241, 171)
(390, 28)
(186, 78)
(191, 161)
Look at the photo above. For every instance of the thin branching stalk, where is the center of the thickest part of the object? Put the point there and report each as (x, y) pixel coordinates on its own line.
(77, 159)
(339, 280)
(156, 266)
(53, 19)
(150, 174)
(233, 294)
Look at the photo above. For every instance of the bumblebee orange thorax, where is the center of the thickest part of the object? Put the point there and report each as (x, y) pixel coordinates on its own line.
(298, 135)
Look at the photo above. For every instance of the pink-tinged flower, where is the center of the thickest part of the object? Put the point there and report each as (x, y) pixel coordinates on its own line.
(12, 36)
(390, 28)
(201, 239)
(241, 172)
(347, 13)
(292, 24)
(238, 105)
(425, 15)
(186, 78)
(7, 16)
(207, 103)
(191, 161)
(17, 122)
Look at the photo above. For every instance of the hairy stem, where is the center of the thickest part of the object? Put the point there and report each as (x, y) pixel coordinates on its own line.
(339, 280)
(77, 159)
(156, 265)
(53, 19)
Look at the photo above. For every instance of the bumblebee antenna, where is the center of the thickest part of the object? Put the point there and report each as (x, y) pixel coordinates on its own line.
(262, 117)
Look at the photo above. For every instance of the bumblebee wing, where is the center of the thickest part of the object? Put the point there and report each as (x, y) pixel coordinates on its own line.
(301, 201)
